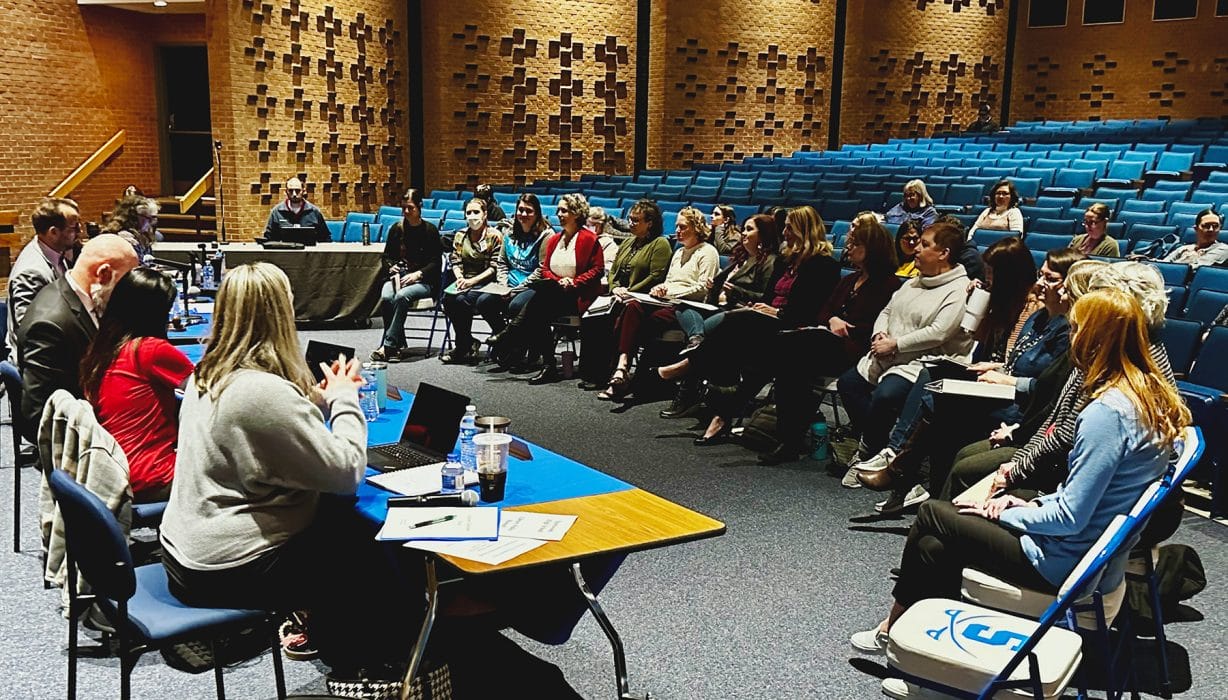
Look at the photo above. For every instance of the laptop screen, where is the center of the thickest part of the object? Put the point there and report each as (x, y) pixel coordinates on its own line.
(434, 418)
(318, 352)
(295, 233)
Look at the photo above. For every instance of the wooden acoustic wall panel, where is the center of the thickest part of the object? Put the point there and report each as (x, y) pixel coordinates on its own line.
(316, 91)
(521, 91)
(913, 69)
(737, 79)
(1136, 69)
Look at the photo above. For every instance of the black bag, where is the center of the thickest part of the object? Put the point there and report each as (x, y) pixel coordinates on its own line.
(1179, 576)
(759, 430)
(1160, 247)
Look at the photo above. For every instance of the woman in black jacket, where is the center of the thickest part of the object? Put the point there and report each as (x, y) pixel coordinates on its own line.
(412, 255)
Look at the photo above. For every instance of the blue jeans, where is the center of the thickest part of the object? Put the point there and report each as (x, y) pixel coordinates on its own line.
(918, 404)
(693, 322)
(872, 409)
(395, 307)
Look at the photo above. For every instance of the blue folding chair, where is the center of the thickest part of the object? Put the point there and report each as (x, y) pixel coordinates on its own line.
(1206, 393)
(1181, 339)
(136, 600)
(1205, 305)
(1207, 277)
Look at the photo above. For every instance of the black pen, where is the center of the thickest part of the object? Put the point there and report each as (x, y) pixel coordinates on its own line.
(434, 521)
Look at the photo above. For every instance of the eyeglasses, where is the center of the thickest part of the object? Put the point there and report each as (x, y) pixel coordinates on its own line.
(1209, 225)
(1045, 279)
(911, 238)
(633, 220)
(1091, 221)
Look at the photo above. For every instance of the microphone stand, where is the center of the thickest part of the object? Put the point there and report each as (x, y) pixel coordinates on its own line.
(185, 270)
(217, 189)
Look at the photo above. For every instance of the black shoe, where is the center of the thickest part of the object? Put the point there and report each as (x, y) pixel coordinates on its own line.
(783, 453)
(500, 336)
(681, 408)
(720, 438)
(586, 385)
(456, 356)
(549, 375)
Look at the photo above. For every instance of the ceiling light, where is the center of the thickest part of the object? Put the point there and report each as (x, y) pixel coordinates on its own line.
(159, 3)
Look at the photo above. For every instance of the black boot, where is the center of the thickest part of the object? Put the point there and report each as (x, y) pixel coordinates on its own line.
(508, 332)
(686, 402)
(549, 373)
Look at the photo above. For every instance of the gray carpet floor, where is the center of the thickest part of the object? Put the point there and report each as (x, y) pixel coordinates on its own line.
(764, 611)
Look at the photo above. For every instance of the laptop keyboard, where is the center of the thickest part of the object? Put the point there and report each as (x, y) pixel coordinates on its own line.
(405, 456)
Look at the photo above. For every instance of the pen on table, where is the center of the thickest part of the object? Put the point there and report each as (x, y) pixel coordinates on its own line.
(433, 521)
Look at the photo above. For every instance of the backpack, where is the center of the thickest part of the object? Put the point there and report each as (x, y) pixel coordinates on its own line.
(759, 430)
(1159, 248)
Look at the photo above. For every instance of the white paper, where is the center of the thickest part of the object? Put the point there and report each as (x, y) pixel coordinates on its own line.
(491, 553)
(496, 288)
(648, 299)
(537, 526)
(464, 523)
(702, 306)
(417, 481)
(202, 307)
(963, 387)
(601, 303)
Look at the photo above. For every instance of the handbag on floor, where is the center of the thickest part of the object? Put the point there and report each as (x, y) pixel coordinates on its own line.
(430, 684)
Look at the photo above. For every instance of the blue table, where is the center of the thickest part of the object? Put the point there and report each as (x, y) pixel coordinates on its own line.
(195, 333)
(614, 519)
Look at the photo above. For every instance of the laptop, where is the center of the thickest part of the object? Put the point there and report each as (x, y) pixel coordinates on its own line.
(430, 431)
(294, 233)
(318, 352)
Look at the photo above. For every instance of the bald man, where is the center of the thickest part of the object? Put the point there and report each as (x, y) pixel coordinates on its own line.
(295, 211)
(61, 322)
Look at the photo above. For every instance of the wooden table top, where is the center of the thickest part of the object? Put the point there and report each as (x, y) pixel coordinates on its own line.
(631, 520)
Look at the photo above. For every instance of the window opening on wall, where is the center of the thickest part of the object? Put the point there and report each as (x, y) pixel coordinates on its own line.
(1048, 13)
(1104, 11)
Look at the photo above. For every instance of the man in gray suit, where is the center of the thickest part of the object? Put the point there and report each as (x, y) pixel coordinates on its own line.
(57, 228)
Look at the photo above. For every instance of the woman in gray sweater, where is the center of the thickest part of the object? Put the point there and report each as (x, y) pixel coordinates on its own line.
(247, 524)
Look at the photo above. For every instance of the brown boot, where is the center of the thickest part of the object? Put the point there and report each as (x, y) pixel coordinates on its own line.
(905, 466)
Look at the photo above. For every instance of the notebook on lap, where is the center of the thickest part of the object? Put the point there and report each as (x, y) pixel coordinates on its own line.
(430, 431)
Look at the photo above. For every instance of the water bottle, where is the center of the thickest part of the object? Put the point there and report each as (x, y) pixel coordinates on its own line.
(219, 264)
(818, 438)
(366, 233)
(206, 275)
(366, 394)
(469, 428)
(453, 474)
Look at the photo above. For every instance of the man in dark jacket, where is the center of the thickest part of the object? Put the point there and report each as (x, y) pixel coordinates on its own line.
(296, 211)
(61, 322)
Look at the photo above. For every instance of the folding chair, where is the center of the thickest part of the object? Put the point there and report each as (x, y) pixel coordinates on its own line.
(11, 377)
(136, 600)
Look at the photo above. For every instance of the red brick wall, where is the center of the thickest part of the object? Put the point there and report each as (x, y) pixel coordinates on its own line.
(1136, 69)
(738, 78)
(516, 91)
(312, 89)
(913, 68)
(73, 77)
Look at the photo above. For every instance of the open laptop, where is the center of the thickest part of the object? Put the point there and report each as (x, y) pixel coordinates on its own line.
(430, 431)
(318, 352)
(294, 233)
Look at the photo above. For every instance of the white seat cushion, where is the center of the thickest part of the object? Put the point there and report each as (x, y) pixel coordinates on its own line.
(992, 592)
(964, 646)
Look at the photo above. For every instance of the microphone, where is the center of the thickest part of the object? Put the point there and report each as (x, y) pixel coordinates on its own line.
(464, 498)
(218, 144)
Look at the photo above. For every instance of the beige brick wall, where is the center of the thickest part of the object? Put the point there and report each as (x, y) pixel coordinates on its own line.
(1136, 69)
(913, 68)
(312, 89)
(516, 91)
(742, 78)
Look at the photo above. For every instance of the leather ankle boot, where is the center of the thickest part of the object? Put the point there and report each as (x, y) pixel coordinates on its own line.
(905, 467)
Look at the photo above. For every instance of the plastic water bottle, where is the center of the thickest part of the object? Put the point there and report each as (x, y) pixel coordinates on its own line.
(206, 275)
(469, 428)
(219, 264)
(820, 449)
(453, 473)
(366, 395)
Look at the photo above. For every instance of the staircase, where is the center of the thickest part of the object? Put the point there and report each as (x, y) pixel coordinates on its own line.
(197, 225)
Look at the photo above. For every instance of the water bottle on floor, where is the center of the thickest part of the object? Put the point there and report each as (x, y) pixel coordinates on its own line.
(366, 394)
(469, 428)
(453, 473)
(820, 449)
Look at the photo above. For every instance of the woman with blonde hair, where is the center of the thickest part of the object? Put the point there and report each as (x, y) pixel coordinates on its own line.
(1095, 239)
(260, 446)
(691, 271)
(740, 348)
(917, 205)
(1123, 441)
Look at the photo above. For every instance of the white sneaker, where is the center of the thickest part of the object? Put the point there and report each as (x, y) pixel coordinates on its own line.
(871, 641)
(876, 463)
(900, 689)
(896, 503)
(850, 479)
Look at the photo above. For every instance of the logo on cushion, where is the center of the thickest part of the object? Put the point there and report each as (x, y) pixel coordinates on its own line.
(976, 628)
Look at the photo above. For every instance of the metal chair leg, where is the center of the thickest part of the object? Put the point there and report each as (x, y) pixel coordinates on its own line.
(16, 497)
(616, 643)
(1157, 615)
(424, 634)
(217, 671)
(279, 673)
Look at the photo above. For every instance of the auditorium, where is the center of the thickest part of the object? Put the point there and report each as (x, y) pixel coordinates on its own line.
(613, 348)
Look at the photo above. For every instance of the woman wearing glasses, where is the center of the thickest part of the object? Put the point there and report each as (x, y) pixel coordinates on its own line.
(1206, 249)
(1003, 213)
(906, 239)
(1096, 241)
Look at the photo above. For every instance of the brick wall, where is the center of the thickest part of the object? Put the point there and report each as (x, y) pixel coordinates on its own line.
(740, 78)
(73, 77)
(309, 89)
(516, 91)
(913, 68)
(1136, 69)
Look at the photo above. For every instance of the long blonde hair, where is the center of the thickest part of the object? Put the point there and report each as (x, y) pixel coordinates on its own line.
(253, 328)
(808, 226)
(1111, 345)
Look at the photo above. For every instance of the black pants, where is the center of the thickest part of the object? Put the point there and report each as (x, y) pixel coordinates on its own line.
(550, 300)
(801, 359)
(942, 542)
(365, 608)
(597, 345)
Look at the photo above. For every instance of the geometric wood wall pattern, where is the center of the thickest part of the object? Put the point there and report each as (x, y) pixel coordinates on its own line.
(326, 103)
(934, 90)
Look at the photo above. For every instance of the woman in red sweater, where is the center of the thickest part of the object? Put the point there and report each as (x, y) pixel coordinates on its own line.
(130, 373)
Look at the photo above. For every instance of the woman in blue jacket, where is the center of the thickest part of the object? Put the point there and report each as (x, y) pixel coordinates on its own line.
(1122, 443)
